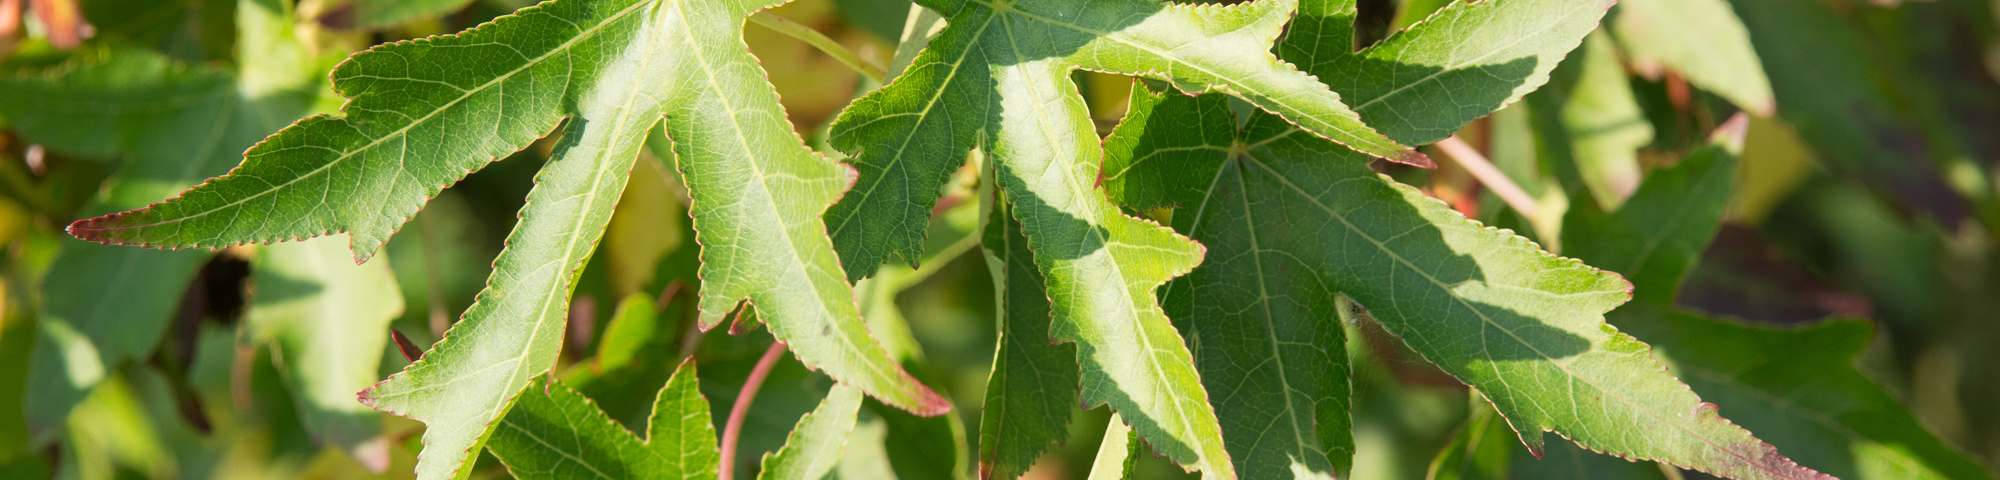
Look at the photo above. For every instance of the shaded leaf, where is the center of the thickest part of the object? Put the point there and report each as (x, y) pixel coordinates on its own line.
(815, 444)
(1799, 387)
(374, 14)
(1259, 316)
(1829, 89)
(326, 317)
(1259, 327)
(1032, 388)
(176, 125)
(556, 433)
(1656, 237)
(1523, 326)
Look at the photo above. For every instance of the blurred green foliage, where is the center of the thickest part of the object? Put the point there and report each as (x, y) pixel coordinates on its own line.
(1858, 230)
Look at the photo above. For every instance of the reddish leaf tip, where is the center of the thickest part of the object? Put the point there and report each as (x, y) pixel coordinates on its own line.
(1412, 158)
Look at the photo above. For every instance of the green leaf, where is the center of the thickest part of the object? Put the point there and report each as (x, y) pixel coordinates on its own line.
(1522, 325)
(1117, 453)
(176, 125)
(1258, 318)
(1699, 39)
(328, 320)
(1655, 238)
(1827, 85)
(758, 192)
(1799, 387)
(1260, 335)
(375, 14)
(815, 444)
(1465, 61)
(557, 433)
(634, 327)
(910, 135)
(1480, 450)
(1033, 384)
(1601, 121)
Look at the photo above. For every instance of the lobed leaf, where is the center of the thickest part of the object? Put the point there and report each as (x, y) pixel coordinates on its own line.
(1256, 323)
(908, 136)
(1523, 326)
(758, 193)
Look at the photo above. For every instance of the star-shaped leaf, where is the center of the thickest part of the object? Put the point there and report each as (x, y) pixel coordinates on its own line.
(1305, 221)
(909, 136)
(422, 113)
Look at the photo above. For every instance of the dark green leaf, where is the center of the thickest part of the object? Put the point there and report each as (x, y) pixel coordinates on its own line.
(556, 433)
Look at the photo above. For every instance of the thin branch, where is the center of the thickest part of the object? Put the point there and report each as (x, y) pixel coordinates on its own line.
(734, 428)
(1489, 175)
(821, 41)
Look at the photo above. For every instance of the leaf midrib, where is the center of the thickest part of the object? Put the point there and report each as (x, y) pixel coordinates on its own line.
(1270, 326)
(349, 154)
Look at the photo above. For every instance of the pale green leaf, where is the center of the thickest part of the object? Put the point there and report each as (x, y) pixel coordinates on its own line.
(557, 433)
(328, 320)
(1033, 384)
(1602, 122)
(634, 327)
(176, 125)
(910, 135)
(1699, 39)
(758, 192)
(815, 444)
(1117, 453)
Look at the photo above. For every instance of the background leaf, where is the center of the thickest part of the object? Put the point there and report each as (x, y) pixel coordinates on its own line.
(177, 126)
(329, 321)
(815, 444)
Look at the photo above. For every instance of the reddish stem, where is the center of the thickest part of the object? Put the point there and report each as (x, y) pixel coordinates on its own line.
(734, 428)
